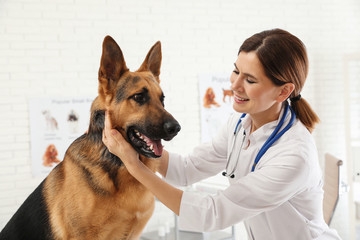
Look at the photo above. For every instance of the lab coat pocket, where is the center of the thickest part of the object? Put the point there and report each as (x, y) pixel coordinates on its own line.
(284, 222)
(317, 228)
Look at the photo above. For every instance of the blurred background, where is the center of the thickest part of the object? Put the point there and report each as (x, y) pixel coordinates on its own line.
(52, 49)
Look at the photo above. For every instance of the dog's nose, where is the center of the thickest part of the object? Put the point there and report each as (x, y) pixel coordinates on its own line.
(172, 127)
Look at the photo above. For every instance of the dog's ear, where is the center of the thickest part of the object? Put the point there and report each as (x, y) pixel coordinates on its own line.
(152, 61)
(112, 65)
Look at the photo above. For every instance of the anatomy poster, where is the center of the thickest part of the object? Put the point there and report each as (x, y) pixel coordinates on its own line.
(216, 99)
(54, 124)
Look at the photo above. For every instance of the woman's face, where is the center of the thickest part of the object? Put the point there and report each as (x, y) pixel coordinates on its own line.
(254, 92)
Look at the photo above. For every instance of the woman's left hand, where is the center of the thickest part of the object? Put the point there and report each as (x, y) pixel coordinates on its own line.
(118, 146)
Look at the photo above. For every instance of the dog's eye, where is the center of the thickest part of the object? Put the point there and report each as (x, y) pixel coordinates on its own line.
(140, 98)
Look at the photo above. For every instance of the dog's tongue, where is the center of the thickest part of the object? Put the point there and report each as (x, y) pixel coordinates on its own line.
(157, 146)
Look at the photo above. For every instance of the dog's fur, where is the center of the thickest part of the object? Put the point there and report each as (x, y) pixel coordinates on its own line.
(90, 194)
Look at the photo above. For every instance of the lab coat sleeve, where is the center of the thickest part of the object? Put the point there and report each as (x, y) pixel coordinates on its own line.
(259, 191)
(206, 160)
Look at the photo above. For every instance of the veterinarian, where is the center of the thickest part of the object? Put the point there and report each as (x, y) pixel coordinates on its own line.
(269, 154)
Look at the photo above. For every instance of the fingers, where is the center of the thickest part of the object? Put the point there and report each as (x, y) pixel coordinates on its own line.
(104, 139)
(106, 136)
(107, 121)
(112, 139)
(108, 131)
(117, 145)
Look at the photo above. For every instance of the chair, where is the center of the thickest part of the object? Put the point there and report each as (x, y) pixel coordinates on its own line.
(331, 186)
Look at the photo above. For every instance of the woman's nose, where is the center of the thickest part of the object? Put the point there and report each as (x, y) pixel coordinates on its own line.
(237, 84)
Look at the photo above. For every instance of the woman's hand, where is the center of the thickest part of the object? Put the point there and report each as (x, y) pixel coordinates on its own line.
(118, 146)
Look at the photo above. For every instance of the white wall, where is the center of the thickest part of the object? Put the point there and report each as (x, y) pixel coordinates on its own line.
(52, 48)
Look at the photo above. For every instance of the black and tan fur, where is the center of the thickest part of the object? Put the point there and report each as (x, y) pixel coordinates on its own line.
(90, 194)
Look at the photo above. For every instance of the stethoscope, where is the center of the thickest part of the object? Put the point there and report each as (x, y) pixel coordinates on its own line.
(273, 138)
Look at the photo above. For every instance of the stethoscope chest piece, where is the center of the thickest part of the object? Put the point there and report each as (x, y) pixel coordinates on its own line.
(226, 175)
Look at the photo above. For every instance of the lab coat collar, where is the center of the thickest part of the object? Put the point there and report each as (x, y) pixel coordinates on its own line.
(264, 132)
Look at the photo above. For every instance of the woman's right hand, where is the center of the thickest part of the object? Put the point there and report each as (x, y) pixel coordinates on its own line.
(118, 146)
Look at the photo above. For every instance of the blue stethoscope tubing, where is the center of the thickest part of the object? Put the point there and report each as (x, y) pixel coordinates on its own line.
(273, 137)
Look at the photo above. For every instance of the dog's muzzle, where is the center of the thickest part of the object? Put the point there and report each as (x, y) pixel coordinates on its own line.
(147, 141)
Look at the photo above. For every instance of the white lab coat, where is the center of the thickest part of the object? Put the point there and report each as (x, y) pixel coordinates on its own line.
(280, 200)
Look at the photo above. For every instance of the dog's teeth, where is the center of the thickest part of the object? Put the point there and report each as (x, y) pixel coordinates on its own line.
(137, 133)
(151, 147)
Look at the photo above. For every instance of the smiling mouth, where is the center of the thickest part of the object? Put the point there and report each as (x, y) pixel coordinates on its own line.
(144, 145)
(240, 99)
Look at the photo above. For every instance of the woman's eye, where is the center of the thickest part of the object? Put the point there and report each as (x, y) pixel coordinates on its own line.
(250, 81)
(236, 72)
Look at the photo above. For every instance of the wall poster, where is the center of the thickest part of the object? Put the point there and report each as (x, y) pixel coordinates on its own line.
(216, 100)
(54, 124)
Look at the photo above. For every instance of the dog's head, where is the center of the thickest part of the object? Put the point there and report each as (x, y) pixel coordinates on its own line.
(135, 100)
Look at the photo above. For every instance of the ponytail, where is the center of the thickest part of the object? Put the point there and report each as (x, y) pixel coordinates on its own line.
(304, 112)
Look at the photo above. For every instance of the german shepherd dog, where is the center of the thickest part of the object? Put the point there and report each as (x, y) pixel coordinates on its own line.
(90, 194)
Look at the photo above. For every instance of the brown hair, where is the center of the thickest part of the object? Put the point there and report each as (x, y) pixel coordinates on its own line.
(284, 59)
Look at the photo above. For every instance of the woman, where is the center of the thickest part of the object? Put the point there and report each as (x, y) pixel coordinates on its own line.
(275, 180)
